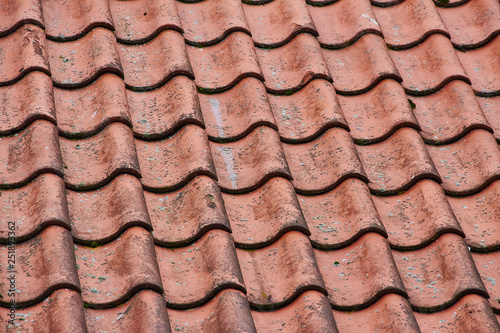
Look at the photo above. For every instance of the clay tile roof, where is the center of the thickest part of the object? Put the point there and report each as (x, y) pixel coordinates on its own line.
(250, 166)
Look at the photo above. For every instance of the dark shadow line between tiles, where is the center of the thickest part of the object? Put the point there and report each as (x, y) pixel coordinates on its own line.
(350, 241)
(484, 249)
(329, 125)
(407, 186)
(210, 91)
(321, 3)
(437, 87)
(19, 24)
(274, 238)
(90, 80)
(256, 2)
(83, 187)
(160, 84)
(191, 1)
(208, 296)
(456, 297)
(258, 184)
(151, 36)
(218, 39)
(24, 73)
(293, 34)
(469, 47)
(372, 300)
(179, 124)
(386, 4)
(191, 175)
(279, 305)
(243, 134)
(380, 78)
(308, 77)
(351, 41)
(126, 297)
(474, 190)
(194, 238)
(30, 178)
(450, 5)
(423, 38)
(111, 238)
(332, 186)
(458, 136)
(82, 33)
(494, 93)
(392, 130)
(26, 123)
(36, 231)
(429, 241)
(96, 130)
(38, 299)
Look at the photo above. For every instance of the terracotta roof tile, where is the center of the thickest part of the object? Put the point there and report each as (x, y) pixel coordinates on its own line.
(141, 21)
(220, 67)
(262, 216)
(29, 153)
(338, 218)
(69, 20)
(306, 114)
(290, 67)
(236, 112)
(449, 3)
(387, 3)
(95, 161)
(356, 69)
(209, 22)
(489, 269)
(181, 217)
(276, 23)
(170, 163)
(112, 273)
(358, 275)
(17, 13)
(273, 275)
(194, 274)
(320, 165)
(491, 110)
(438, 275)
(244, 165)
(353, 20)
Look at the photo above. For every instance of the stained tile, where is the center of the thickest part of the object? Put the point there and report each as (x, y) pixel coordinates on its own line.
(449, 114)
(491, 110)
(208, 22)
(150, 65)
(358, 275)
(391, 313)
(483, 67)
(112, 273)
(338, 218)
(469, 314)
(141, 21)
(309, 112)
(360, 67)
(144, 312)
(170, 163)
(194, 274)
(95, 161)
(289, 68)
(396, 164)
(438, 275)
(275, 277)
(26, 101)
(44, 264)
(417, 217)
(15, 14)
(219, 67)
(87, 111)
(23, 51)
(244, 165)
(62, 310)
(234, 113)
(352, 20)
(226, 312)
(488, 265)
(409, 23)
(260, 217)
(276, 23)
(320, 165)
(183, 216)
(429, 66)
(478, 215)
(78, 63)
(26, 211)
(310, 312)
(70, 20)
(162, 112)
(27, 154)
(102, 215)
(473, 24)
(378, 113)
(469, 165)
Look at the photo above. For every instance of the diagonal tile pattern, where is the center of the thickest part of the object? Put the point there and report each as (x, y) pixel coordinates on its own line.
(253, 166)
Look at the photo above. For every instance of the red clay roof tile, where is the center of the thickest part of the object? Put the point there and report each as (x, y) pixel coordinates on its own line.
(14, 14)
(488, 265)
(491, 110)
